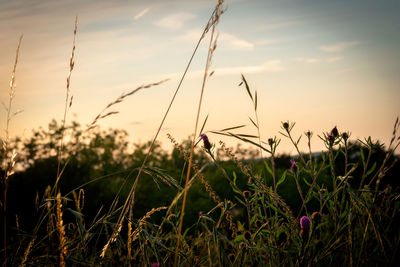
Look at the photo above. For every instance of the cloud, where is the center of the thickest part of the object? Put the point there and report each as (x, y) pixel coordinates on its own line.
(338, 47)
(234, 43)
(225, 40)
(175, 21)
(269, 66)
(334, 59)
(141, 13)
(263, 42)
(318, 60)
(308, 60)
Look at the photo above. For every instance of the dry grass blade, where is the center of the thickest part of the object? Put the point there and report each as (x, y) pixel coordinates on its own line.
(121, 98)
(247, 87)
(67, 99)
(213, 43)
(9, 161)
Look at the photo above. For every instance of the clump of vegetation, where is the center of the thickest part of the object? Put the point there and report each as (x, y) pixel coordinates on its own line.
(79, 195)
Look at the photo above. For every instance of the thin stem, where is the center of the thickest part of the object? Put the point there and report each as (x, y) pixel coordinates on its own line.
(273, 168)
(300, 193)
(71, 67)
(209, 55)
(8, 161)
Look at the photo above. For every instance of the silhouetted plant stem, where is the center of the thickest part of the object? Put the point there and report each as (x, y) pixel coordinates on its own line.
(211, 48)
(68, 103)
(9, 161)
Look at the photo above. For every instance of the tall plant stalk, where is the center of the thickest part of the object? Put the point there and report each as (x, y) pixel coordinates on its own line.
(212, 46)
(68, 103)
(8, 162)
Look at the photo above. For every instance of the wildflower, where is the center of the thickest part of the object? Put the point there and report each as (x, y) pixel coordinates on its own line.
(206, 142)
(293, 165)
(305, 222)
(200, 213)
(305, 228)
(286, 125)
(335, 132)
(156, 264)
(270, 142)
(345, 136)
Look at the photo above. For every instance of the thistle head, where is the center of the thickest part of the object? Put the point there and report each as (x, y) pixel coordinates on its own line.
(270, 142)
(285, 125)
(335, 132)
(206, 142)
(345, 136)
(305, 222)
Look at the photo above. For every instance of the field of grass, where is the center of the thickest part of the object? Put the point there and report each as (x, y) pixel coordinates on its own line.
(75, 195)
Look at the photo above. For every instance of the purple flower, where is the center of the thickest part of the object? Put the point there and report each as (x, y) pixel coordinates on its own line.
(200, 213)
(156, 264)
(335, 132)
(305, 222)
(293, 165)
(206, 142)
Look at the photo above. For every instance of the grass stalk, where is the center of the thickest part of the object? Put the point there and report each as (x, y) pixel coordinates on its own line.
(68, 103)
(208, 62)
(9, 162)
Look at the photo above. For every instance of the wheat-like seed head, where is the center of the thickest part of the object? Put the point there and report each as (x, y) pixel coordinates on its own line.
(61, 231)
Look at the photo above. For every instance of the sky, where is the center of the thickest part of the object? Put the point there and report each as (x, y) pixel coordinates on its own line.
(317, 63)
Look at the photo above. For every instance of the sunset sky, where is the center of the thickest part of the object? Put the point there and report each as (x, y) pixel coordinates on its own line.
(318, 63)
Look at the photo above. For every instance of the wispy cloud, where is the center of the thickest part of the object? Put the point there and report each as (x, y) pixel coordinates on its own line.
(233, 42)
(269, 66)
(141, 13)
(338, 47)
(225, 40)
(272, 66)
(313, 60)
(308, 60)
(262, 42)
(175, 21)
(334, 59)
